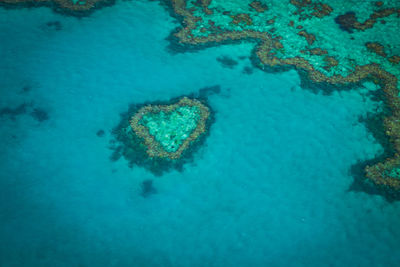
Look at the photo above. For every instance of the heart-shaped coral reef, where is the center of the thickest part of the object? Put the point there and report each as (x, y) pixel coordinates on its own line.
(168, 130)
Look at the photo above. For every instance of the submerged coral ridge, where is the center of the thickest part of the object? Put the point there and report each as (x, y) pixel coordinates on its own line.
(162, 136)
(167, 130)
(310, 38)
(72, 7)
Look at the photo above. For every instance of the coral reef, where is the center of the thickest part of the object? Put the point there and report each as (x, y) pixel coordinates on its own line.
(72, 7)
(349, 20)
(281, 49)
(307, 9)
(394, 59)
(258, 6)
(315, 51)
(241, 18)
(168, 130)
(376, 48)
(309, 37)
(330, 62)
(163, 135)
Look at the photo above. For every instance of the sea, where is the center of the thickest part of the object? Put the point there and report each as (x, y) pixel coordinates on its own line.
(271, 185)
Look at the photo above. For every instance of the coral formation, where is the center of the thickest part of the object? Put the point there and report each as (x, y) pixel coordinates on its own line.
(394, 59)
(241, 18)
(307, 9)
(330, 62)
(320, 59)
(349, 20)
(73, 7)
(309, 37)
(163, 135)
(168, 130)
(258, 6)
(376, 48)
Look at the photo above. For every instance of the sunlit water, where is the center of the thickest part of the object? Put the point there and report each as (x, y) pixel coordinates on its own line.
(269, 187)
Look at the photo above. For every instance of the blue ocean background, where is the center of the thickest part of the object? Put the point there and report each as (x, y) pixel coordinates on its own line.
(269, 187)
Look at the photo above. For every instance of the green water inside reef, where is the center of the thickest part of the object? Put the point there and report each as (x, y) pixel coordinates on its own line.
(395, 173)
(171, 129)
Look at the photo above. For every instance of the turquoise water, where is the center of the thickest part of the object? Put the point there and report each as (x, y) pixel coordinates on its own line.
(269, 187)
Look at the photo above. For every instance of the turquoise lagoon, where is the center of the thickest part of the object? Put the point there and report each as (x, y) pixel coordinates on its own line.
(269, 186)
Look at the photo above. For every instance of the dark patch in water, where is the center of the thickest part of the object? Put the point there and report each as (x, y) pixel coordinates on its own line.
(227, 62)
(346, 21)
(209, 90)
(40, 114)
(374, 122)
(117, 153)
(100, 133)
(147, 188)
(57, 8)
(55, 25)
(377, 96)
(14, 112)
(247, 70)
(26, 89)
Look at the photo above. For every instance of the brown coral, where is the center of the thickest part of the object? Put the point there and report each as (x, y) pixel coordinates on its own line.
(258, 6)
(271, 21)
(330, 62)
(376, 48)
(318, 51)
(242, 18)
(309, 37)
(78, 8)
(394, 59)
(315, 9)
